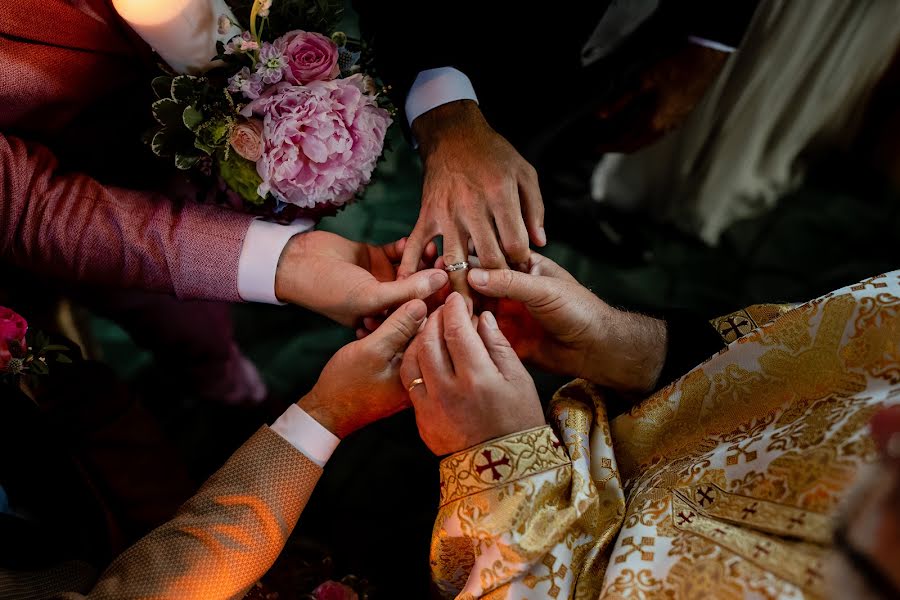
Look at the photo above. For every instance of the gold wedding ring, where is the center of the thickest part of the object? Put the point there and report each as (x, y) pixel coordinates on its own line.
(415, 382)
(460, 266)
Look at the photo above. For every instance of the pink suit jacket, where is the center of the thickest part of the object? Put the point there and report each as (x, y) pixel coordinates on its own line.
(58, 58)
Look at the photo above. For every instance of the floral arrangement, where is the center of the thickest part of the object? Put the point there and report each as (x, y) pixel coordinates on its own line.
(25, 354)
(287, 118)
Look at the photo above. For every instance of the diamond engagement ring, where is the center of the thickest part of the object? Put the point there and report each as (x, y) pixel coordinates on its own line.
(460, 266)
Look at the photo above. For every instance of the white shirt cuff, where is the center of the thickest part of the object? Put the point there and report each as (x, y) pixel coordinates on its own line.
(306, 434)
(260, 253)
(435, 87)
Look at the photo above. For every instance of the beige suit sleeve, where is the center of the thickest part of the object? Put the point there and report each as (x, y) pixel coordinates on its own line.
(225, 537)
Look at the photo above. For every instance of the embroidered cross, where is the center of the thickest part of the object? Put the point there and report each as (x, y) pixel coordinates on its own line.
(492, 464)
(760, 550)
(799, 521)
(532, 580)
(735, 327)
(634, 546)
(686, 518)
(867, 282)
(749, 510)
(704, 496)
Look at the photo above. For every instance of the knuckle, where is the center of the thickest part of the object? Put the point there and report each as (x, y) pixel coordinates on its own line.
(516, 248)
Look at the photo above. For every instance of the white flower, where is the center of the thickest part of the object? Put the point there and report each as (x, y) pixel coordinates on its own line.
(264, 7)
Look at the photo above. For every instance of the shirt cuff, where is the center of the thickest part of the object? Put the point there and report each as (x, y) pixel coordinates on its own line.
(259, 258)
(435, 87)
(306, 435)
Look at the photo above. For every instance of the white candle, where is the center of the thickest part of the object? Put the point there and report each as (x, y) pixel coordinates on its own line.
(183, 32)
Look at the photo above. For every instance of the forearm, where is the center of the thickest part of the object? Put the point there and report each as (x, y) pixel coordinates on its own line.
(69, 226)
(227, 536)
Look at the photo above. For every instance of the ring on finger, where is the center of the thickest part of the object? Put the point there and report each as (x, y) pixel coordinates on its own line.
(415, 382)
(460, 266)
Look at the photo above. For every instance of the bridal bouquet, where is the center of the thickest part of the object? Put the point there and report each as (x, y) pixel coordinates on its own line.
(286, 117)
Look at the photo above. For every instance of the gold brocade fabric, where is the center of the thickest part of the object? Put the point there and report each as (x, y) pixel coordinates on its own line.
(722, 485)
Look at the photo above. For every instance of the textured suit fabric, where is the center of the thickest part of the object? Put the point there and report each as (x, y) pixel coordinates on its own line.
(218, 544)
(69, 78)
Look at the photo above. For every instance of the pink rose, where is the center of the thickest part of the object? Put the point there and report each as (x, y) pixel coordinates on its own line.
(246, 139)
(332, 590)
(322, 141)
(310, 57)
(12, 332)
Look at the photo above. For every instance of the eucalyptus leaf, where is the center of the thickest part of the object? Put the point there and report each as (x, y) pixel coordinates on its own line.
(192, 118)
(162, 86)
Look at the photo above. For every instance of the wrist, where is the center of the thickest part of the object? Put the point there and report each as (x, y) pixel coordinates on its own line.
(322, 413)
(290, 255)
(628, 353)
(442, 122)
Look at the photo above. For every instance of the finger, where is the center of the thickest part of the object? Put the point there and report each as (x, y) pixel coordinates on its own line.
(455, 252)
(399, 328)
(431, 252)
(379, 296)
(466, 349)
(542, 266)
(371, 324)
(362, 334)
(513, 236)
(434, 359)
(394, 250)
(486, 245)
(410, 372)
(420, 237)
(532, 206)
(514, 285)
(499, 348)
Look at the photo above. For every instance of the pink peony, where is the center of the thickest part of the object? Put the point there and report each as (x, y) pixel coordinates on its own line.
(310, 57)
(246, 139)
(332, 590)
(322, 141)
(12, 331)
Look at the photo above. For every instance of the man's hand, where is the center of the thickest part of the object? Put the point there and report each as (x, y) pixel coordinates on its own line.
(361, 383)
(475, 388)
(347, 281)
(478, 188)
(562, 327)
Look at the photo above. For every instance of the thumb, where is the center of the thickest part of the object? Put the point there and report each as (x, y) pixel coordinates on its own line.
(499, 348)
(505, 283)
(385, 295)
(398, 329)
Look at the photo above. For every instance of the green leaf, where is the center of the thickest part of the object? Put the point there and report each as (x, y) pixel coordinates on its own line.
(205, 148)
(192, 118)
(62, 358)
(38, 367)
(164, 143)
(167, 112)
(187, 88)
(56, 348)
(162, 86)
(214, 133)
(186, 162)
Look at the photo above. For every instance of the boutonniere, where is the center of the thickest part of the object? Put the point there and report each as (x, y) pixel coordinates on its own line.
(25, 355)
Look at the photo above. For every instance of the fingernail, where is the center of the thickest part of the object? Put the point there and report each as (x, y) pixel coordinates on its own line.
(417, 311)
(437, 281)
(489, 320)
(542, 236)
(478, 277)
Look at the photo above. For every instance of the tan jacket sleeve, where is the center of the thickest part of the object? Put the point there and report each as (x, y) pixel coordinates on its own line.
(225, 537)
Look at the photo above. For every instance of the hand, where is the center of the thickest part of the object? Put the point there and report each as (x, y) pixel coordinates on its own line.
(475, 388)
(361, 383)
(476, 187)
(562, 327)
(346, 280)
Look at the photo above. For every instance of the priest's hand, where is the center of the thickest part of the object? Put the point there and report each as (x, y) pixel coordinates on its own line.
(361, 383)
(467, 384)
(347, 281)
(560, 326)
